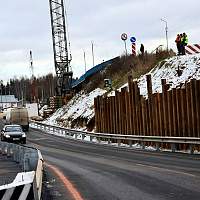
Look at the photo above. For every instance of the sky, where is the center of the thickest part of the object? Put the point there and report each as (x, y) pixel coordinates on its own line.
(25, 25)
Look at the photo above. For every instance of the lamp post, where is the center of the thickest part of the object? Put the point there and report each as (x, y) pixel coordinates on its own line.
(166, 32)
(84, 56)
(92, 52)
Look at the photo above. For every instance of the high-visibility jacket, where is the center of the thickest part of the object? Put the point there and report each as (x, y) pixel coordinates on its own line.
(178, 39)
(184, 40)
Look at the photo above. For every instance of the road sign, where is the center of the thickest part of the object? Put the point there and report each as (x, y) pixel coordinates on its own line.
(133, 39)
(124, 36)
(133, 49)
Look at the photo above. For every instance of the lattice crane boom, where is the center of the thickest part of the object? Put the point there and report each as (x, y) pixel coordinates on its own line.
(60, 47)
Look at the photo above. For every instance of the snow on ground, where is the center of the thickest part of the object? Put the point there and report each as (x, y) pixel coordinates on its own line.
(189, 64)
(80, 106)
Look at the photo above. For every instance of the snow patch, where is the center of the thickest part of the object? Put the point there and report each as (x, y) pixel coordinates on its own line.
(167, 69)
(80, 106)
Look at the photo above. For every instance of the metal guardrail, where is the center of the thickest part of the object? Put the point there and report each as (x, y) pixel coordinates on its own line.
(30, 161)
(158, 140)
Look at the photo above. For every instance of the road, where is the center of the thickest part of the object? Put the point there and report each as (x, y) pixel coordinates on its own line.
(100, 172)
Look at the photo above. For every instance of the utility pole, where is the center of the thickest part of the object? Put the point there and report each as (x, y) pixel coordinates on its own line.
(33, 81)
(92, 52)
(84, 60)
(166, 32)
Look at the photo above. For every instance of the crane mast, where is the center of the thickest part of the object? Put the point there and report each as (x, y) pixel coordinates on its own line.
(60, 48)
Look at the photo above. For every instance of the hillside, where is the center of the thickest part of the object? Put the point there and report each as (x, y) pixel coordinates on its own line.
(79, 112)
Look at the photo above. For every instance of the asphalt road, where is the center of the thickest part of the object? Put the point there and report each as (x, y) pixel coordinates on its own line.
(102, 172)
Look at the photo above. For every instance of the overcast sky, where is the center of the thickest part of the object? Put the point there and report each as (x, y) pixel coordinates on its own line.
(25, 26)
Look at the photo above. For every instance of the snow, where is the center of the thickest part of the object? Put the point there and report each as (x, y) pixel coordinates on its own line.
(41, 111)
(80, 106)
(189, 64)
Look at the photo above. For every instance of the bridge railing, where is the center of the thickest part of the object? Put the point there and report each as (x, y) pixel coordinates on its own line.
(172, 142)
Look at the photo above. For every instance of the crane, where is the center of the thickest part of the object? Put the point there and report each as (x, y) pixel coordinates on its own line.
(33, 81)
(60, 48)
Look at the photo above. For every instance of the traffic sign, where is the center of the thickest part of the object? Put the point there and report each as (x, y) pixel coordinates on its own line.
(133, 39)
(124, 36)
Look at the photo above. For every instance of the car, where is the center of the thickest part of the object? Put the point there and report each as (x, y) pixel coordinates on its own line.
(13, 133)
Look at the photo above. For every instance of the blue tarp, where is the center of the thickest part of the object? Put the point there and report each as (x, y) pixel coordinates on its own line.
(91, 72)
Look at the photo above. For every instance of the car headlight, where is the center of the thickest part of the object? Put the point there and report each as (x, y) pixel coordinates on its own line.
(7, 136)
(23, 135)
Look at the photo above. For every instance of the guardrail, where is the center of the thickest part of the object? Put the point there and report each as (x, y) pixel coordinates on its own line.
(130, 139)
(28, 183)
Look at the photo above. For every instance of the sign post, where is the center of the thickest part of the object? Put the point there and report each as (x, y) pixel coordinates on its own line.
(133, 40)
(124, 38)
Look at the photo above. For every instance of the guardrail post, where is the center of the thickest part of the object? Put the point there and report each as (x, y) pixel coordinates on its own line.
(173, 147)
(119, 142)
(157, 146)
(143, 145)
(191, 149)
(98, 139)
(130, 143)
(83, 136)
(91, 138)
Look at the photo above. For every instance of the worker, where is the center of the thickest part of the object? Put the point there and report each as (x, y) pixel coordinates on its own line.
(142, 49)
(178, 43)
(184, 42)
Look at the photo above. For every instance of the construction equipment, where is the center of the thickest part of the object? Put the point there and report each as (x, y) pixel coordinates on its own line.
(33, 80)
(60, 47)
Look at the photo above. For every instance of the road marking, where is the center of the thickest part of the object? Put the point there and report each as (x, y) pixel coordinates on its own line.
(168, 170)
(38, 139)
(68, 185)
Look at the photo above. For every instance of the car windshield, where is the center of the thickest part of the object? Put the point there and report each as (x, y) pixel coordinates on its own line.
(13, 129)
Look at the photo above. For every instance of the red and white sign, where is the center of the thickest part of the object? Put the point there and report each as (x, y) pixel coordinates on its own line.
(192, 49)
(134, 49)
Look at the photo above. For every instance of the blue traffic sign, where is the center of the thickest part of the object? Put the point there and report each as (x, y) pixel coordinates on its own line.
(133, 39)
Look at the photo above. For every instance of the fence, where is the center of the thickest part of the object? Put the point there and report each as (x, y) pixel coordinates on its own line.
(172, 113)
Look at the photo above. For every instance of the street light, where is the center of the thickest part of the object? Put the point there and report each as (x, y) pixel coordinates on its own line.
(92, 52)
(166, 30)
(84, 56)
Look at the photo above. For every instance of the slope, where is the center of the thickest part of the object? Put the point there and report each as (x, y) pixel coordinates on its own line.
(79, 112)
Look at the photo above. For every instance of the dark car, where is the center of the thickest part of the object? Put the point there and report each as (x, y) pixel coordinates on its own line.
(13, 133)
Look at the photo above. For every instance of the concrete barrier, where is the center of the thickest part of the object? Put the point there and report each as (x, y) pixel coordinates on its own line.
(28, 183)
